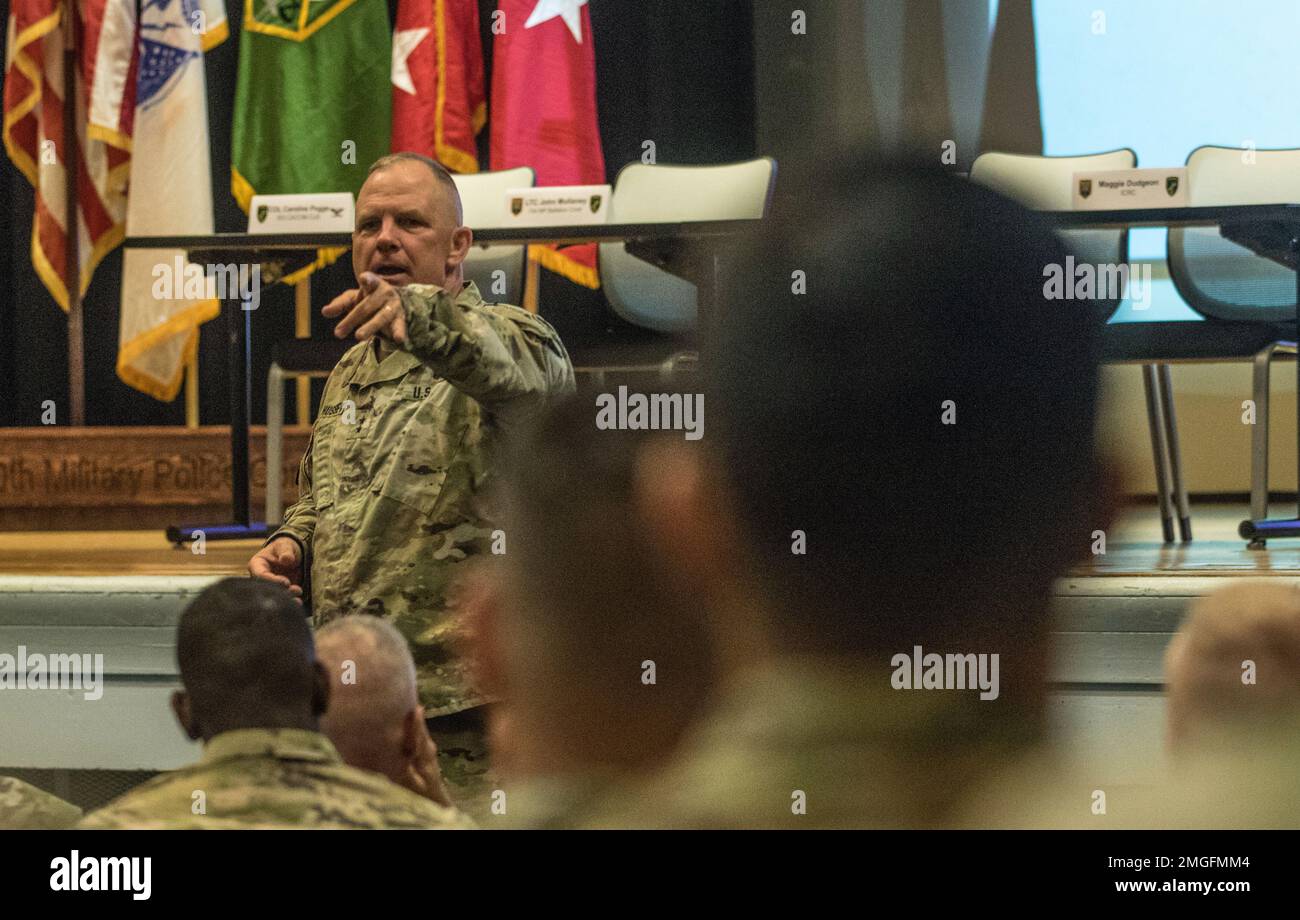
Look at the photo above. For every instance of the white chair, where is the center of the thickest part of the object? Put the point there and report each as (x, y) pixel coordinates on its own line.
(1232, 286)
(638, 291)
(483, 197)
(1046, 184)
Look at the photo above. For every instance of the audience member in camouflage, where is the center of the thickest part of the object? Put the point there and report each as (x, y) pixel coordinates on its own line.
(599, 665)
(253, 693)
(24, 807)
(272, 778)
(374, 717)
(833, 487)
(408, 427)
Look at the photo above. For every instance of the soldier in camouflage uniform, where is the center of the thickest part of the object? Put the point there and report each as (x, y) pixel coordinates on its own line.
(24, 807)
(253, 693)
(405, 437)
(272, 778)
(835, 521)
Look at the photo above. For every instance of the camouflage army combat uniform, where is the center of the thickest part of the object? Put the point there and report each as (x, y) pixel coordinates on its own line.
(272, 778)
(816, 743)
(24, 807)
(402, 444)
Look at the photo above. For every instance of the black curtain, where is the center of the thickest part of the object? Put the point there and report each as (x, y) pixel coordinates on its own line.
(677, 72)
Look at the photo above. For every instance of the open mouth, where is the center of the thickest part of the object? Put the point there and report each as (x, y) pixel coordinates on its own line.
(389, 271)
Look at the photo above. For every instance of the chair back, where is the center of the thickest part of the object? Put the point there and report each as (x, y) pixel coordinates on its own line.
(497, 270)
(648, 296)
(1046, 184)
(1219, 278)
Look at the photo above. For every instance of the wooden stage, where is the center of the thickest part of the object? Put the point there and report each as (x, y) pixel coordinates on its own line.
(118, 553)
(120, 593)
(1134, 551)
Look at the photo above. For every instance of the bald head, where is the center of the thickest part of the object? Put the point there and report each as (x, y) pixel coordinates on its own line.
(246, 660)
(372, 690)
(1234, 664)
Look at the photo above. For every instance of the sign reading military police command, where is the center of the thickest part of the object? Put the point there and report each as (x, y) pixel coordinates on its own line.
(1112, 189)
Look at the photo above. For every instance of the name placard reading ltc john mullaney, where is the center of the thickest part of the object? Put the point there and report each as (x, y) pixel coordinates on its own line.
(1111, 189)
(556, 205)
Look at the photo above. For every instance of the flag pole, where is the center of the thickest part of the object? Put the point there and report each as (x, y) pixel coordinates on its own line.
(192, 391)
(302, 329)
(72, 260)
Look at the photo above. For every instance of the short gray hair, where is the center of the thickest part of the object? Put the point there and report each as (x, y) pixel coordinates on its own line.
(439, 171)
(377, 650)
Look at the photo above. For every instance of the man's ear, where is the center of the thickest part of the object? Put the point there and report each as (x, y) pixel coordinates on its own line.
(462, 238)
(413, 727)
(185, 715)
(320, 692)
(685, 517)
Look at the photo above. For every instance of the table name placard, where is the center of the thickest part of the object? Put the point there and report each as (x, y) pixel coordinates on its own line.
(1104, 190)
(557, 205)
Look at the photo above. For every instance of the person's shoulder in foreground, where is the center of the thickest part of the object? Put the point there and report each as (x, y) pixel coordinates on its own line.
(261, 778)
(1241, 781)
(24, 807)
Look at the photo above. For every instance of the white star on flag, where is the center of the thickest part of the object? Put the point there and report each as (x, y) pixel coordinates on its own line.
(404, 42)
(567, 9)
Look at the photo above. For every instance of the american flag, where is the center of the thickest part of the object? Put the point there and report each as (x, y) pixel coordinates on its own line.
(34, 110)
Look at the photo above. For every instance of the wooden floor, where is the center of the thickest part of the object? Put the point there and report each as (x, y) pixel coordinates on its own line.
(1134, 549)
(118, 552)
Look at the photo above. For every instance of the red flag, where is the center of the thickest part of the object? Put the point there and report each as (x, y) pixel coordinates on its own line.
(544, 109)
(34, 109)
(438, 102)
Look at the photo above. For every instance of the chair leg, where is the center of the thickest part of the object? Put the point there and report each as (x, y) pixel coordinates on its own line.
(1259, 435)
(1181, 505)
(1159, 449)
(274, 445)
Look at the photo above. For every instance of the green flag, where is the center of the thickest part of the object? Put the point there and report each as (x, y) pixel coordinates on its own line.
(313, 104)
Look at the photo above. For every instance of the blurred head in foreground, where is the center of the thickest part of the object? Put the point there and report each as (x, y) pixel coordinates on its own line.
(1233, 668)
(246, 661)
(600, 666)
(898, 462)
(902, 454)
(374, 717)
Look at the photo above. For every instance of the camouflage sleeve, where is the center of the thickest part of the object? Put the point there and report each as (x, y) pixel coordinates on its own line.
(24, 807)
(505, 358)
(300, 517)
